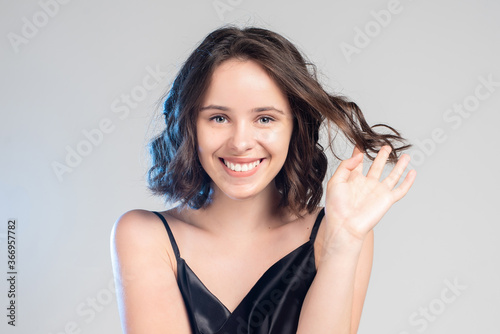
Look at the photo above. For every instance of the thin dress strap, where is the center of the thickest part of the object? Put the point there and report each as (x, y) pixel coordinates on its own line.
(316, 225)
(170, 235)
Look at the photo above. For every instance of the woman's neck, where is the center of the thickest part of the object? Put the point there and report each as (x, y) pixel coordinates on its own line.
(244, 216)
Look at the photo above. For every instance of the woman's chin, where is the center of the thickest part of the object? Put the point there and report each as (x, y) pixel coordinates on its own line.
(240, 195)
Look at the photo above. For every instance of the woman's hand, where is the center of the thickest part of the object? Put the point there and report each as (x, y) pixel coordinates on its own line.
(355, 203)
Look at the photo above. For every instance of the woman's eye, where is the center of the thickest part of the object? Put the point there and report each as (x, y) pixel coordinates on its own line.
(219, 119)
(265, 120)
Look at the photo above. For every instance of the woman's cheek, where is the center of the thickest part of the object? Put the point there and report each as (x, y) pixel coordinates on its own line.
(270, 135)
(279, 138)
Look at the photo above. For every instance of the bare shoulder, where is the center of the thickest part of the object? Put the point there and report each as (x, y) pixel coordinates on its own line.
(140, 231)
(138, 219)
(137, 226)
(147, 292)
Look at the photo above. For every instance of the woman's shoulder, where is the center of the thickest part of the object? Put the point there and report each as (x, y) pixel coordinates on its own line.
(137, 221)
(312, 218)
(145, 219)
(141, 231)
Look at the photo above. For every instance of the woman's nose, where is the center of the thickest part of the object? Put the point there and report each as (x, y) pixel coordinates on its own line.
(242, 137)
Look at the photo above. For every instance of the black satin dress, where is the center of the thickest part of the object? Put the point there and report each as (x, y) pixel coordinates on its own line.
(273, 304)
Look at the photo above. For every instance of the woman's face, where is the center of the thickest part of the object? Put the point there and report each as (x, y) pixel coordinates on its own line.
(243, 129)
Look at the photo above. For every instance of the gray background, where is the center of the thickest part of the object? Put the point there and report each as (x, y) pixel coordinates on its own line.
(71, 73)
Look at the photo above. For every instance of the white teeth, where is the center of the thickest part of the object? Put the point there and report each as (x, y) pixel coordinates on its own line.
(241, 167)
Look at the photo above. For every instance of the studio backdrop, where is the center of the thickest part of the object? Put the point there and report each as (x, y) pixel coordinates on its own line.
(80, 85)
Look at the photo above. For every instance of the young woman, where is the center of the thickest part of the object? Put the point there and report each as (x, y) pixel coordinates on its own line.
(248, 250)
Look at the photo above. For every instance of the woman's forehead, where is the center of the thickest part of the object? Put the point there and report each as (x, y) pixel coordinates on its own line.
(243, 83)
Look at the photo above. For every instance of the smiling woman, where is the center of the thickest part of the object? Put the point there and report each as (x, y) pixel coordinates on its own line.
(242, 144)
(248, 249)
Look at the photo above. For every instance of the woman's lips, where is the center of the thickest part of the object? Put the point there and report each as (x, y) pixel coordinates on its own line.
(240, 166)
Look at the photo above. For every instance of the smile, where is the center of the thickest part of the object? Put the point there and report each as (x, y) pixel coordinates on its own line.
(241, 167)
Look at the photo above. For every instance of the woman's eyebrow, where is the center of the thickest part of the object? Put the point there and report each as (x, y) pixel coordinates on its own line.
(259, 109)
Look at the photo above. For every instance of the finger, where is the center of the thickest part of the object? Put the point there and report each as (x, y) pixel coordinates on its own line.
(393, 178)
(345, 168)
(405, 186)
(378, 164)
(356, 151)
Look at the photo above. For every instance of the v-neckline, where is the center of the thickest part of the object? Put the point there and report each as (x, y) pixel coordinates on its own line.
(254, 285)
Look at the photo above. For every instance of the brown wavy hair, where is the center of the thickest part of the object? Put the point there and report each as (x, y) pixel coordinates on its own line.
(176, 172)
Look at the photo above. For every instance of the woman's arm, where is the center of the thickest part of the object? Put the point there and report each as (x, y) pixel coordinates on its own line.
(335, 299)
(354, 205)
(361, 280)
(148, 297)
